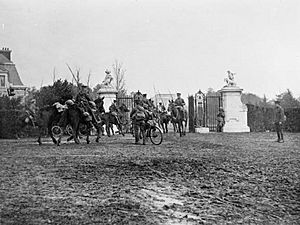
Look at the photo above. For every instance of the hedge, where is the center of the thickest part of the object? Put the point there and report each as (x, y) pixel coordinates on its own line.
(9, 123)
(262, 119)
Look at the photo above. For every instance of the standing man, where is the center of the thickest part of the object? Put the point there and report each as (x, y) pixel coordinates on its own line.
(138, 117)
(220, 119)
(279, 119)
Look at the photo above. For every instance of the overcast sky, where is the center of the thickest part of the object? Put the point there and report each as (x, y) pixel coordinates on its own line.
(169, 45)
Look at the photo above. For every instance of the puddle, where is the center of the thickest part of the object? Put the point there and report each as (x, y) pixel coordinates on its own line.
(169, 203)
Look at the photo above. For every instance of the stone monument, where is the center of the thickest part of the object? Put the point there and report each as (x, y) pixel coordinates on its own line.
(235, 110)
(107, 90)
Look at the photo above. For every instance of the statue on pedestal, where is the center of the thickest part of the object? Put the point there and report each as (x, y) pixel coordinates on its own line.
(106, 83)
(230, 80)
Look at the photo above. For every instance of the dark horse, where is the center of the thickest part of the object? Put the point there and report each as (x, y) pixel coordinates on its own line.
(164, 120)
(45, 118)
(74, 116)
(178, 117)
(108, 119)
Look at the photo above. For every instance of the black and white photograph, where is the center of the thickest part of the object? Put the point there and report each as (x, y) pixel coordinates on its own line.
(149, 112)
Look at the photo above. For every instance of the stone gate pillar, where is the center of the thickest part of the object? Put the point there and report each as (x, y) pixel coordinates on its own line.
(235, 110)
(109, 96)
(107, 90)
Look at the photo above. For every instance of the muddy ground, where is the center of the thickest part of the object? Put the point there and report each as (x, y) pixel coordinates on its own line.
(211, 178)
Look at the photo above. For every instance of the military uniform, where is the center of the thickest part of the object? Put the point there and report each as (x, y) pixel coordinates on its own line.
(279, 119)
(220, 120)
(138, 117)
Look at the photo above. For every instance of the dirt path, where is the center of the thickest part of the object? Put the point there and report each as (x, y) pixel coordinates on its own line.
(198, 179)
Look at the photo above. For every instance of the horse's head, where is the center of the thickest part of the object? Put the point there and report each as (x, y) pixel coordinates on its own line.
(100, 104)
(123, 108)
(171, 106)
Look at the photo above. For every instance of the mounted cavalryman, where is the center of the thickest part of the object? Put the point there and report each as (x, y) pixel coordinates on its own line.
(179, 102)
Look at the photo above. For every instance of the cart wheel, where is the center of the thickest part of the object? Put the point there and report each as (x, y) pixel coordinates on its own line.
(156, 135)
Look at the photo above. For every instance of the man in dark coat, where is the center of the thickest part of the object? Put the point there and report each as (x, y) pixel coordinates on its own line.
(220, 120)
(279, 119)
(138, 116)
(179, 101)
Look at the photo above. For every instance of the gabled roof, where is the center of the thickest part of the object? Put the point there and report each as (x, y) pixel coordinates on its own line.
(13, 76)
(3, 59)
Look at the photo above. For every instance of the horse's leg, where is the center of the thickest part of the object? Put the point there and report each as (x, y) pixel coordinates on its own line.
(120, 129)
(70, 138)
(107, 129)
(161, 125)
(111, 126)
(50, 133)
(98, 128)
(143, 132)
(88, 136)
(59, 138)
(180, 128)
(39, 140)
(76, 134)
(175, 127)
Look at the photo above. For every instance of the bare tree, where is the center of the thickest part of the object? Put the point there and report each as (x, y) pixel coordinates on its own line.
(119, 75)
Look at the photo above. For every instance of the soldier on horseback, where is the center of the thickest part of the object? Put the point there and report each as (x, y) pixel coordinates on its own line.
(114, 110)
(31, 111)
(84, 101)
(179, 102)
(161, 108)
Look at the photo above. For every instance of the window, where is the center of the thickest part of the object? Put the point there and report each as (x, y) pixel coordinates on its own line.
(2, 81)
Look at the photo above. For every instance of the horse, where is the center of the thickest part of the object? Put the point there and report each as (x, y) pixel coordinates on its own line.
(74, 116)
(164, 119)
(178, 117)
(45, 118)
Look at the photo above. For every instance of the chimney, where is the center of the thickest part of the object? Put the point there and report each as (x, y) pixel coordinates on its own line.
(6, 52)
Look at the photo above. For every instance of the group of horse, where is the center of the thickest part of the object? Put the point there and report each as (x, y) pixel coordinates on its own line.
(71, 121)
(175, 115)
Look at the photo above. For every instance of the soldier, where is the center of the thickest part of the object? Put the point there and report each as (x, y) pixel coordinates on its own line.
(279, 119)
(220, 119)
(85, 104)
(179, 102)
(114, 110)
(83, 95)
(138, 117)
(161, 108)
(32, 110)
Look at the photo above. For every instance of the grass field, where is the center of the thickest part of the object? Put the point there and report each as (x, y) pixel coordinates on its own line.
(214, 178)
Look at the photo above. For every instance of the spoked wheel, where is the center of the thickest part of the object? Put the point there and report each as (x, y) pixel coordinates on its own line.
(69, 130)
(156, 135)
(56, 131)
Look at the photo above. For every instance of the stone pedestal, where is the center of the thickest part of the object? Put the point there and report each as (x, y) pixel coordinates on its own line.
(109, 94)
(235, 110)
(202, 130)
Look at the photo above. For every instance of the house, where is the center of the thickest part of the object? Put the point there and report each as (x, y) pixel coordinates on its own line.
(163, 98)
(10, 81)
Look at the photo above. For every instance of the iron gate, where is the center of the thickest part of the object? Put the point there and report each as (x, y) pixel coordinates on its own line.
(127, 100)
(203, 110)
